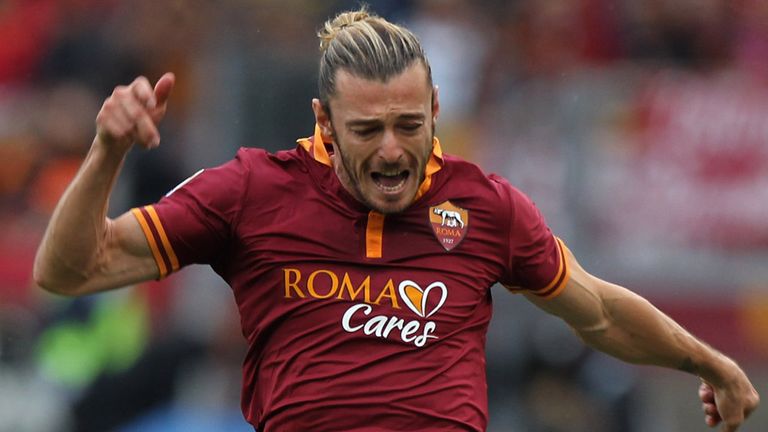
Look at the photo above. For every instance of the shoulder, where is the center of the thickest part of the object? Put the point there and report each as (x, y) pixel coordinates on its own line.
(263, 164)
(252, 157)
(250, 170)
(463, 175)
(487, 192)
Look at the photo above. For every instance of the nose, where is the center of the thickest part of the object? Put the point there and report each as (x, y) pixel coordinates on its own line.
(390, 149)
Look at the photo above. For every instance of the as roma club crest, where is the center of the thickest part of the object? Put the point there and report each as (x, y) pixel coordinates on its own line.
(449, 223)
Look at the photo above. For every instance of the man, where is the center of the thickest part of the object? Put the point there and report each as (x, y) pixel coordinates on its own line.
(361, 261)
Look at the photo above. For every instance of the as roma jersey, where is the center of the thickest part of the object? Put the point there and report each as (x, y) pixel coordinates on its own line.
(357, 321)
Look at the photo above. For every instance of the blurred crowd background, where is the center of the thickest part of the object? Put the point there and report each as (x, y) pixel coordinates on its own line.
(639, 127)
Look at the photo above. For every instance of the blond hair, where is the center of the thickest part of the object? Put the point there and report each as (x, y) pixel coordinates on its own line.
(366, 46)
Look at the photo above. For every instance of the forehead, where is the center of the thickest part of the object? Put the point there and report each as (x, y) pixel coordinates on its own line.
(360, 97)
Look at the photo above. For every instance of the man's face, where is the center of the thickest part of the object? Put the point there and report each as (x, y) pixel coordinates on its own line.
(382, 136)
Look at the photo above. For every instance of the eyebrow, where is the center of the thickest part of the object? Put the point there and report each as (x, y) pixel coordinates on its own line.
(376, 121)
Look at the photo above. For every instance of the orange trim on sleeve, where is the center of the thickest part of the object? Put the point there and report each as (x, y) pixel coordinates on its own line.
(561, 279)
(151, 241)
(558, 283)
(163, 238)
(374, 234)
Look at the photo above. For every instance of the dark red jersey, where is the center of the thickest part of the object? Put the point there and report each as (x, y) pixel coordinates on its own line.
(355, 320)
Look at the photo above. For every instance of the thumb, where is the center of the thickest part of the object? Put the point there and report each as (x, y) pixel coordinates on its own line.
(163, 88)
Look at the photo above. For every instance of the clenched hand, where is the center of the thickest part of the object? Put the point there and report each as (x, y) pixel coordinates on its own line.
(131, 114)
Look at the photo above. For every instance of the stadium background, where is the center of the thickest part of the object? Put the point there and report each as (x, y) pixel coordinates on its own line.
(638, 126)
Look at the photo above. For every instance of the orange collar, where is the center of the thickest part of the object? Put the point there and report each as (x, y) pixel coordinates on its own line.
(320, 154)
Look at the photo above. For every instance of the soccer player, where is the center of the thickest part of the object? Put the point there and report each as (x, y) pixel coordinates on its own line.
(362, 260)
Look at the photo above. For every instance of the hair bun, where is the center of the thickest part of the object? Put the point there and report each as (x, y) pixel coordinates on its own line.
(343, 20)
(366, 46)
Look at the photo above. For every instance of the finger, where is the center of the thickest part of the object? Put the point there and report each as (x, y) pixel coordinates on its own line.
(146, 131)
(112, 122)
(141, 124)
(142, 127)
(711, 414)
(115, 128)
(131, 106)
(142, 90)
(710, 409)
(706, 394)
(163, 87)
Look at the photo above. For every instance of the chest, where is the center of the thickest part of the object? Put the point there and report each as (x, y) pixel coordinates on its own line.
(440, 236)
(416, 261)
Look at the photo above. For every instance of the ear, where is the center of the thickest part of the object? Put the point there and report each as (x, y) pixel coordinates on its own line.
(323, 120)
(435, 104)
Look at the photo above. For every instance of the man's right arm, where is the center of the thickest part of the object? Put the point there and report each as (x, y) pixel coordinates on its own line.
(83, 251)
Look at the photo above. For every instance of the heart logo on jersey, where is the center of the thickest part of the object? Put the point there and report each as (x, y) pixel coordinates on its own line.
(416, 298)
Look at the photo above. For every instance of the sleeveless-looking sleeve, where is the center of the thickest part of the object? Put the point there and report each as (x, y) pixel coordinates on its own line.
(194, 222)
(536, 257)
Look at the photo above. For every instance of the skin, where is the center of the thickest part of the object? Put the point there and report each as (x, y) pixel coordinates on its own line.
(614, 320)
(381, 128)
(377, 128)
(83, 251)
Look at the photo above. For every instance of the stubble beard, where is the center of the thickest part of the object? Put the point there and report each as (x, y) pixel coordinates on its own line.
(354, 181)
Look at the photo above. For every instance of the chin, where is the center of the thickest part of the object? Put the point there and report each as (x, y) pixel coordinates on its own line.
(390, 207)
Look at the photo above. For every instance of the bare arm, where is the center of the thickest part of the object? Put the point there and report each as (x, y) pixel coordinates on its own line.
(83, 251)
(619, 322)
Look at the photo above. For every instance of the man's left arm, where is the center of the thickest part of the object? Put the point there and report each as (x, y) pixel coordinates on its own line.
(621, 323)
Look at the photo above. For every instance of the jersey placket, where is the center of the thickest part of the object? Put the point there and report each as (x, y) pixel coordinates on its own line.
(374, 229)
(374, 234)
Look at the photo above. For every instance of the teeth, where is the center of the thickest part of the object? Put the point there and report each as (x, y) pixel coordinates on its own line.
(391, 188)
(384, 180)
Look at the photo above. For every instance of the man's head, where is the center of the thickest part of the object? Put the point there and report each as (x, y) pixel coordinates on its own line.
(378, 107)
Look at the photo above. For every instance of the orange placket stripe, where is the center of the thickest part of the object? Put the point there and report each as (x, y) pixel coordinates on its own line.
(374, 234)
(163, 238)
(152, 243)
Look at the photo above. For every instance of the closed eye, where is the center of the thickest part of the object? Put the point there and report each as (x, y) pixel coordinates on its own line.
(365, 132)
(411, 127)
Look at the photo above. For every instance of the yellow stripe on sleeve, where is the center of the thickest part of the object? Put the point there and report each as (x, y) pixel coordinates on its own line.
(163, 238)
(563, 274)
(560, 266)
(152, 243)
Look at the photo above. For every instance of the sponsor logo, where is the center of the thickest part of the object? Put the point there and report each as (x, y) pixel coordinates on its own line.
(325, 284)
(449, 224)
(416, 298)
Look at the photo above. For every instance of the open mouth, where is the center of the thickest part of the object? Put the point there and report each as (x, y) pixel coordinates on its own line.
(391, 181)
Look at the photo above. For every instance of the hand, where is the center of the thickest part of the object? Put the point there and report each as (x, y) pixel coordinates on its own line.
(730, 404)
(131, 114)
